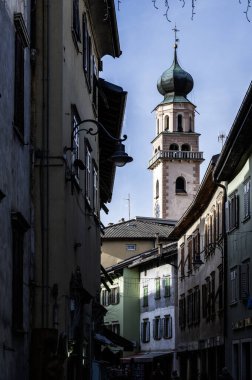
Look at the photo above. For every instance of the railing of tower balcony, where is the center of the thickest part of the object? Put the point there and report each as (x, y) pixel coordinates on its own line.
(176, 155)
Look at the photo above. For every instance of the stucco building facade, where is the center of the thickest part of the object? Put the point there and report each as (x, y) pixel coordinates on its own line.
(16, 236)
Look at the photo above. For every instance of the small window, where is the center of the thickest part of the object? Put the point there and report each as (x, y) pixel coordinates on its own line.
(105, 297)
(19, 228)
(182, 260)
(244, 281)
(167, 121)
(131, 247)
(182, 312)
(157, 126)
(180, 185)
(88, 171)
(246, 198)
(180, 123)
(189, 254)
(190, 124)
(87, 53)
(157, 328)
(95, 190)
(157, 189)
(232, 212)
(167, 327)
(76, 21)
(174, 147)
(145, 296)
(145, 331)
(115, 296)
(234, 285)
(167, 286)
(115, 327)
(157, 288)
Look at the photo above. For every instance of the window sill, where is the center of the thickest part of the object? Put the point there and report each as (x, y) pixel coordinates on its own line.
(19, 134)
(77, 44)
(233, 303)
(246, 219)
(181, 193)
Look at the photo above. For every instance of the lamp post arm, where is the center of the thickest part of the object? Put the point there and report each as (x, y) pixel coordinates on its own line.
(91, 131)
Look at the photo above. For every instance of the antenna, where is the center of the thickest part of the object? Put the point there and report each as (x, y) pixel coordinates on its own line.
(128, 199)
(221, 138)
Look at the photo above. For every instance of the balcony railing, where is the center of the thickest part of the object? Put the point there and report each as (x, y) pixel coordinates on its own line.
(176, 155)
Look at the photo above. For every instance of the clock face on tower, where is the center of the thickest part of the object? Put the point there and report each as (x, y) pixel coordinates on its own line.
(157, 210)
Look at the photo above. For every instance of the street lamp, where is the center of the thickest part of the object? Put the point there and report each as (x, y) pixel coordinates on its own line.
(210, 247)
(119, 157)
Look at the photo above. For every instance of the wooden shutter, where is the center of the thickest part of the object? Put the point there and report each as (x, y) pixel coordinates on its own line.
(244, 281)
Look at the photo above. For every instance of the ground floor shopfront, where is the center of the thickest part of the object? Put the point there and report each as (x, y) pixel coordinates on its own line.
(205, 362)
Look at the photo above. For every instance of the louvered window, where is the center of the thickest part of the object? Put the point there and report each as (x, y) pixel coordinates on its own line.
(157, 328)
(196, 304)
(145, 296)
(167, 327)
(182, 312)
(190, 308)
(232, 212)
(182, 262)
(115, 296)
(19, 86)
(157, 288)
(189, 255)
(204, 300)
(167, 286)
(246, 191)
(234, 284)
(244, 281)
(19, 227)
(76, 21)
(145, 331)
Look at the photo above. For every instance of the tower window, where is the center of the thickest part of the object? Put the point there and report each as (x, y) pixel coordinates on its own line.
(190, 124)
(174, 147)
(180, 125)
(185, 148)
(157, 126)
(180, 185)
(166, 123)
(157, 189)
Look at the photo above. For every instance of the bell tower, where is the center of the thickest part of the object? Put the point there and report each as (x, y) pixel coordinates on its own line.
(176, 159)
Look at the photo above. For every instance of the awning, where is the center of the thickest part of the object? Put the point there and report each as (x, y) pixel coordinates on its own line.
(103, 340)
(145, 356)
(116, 339)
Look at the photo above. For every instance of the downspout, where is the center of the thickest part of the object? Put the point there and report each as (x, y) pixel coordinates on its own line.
(224, 262)
(44, 175)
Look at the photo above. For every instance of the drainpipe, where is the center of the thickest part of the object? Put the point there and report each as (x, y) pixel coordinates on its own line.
(224, 263)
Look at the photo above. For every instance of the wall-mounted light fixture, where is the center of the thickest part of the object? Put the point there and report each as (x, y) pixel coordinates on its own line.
(197, 262)
(119, 157)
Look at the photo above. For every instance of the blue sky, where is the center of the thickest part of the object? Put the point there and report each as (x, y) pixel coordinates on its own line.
(215, 48)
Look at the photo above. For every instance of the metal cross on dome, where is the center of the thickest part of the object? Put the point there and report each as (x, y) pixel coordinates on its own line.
(175, 32)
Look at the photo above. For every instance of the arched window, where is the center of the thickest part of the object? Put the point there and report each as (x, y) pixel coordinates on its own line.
(174, 147)
(185, 148)
(190, 124)
(157, 189)
(180, 124)
(167, 123)
(157, 126)
(180, 185)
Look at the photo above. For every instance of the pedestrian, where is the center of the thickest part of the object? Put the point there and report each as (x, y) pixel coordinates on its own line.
(225, 375)
(174, 375)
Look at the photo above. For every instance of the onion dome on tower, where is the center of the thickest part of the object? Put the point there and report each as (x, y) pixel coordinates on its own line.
(175, 83)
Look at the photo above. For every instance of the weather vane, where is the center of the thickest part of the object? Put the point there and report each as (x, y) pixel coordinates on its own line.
(176, 39)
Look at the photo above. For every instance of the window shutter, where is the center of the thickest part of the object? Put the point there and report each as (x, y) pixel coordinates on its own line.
(244, 281)
(227, 205)
(237, 211)
(160, 329)
(148, 332)
(142, 332)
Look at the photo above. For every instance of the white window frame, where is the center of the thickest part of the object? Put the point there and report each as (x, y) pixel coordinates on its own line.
(246, 198)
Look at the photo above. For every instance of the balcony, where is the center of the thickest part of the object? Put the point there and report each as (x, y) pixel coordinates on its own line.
(175, 155)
